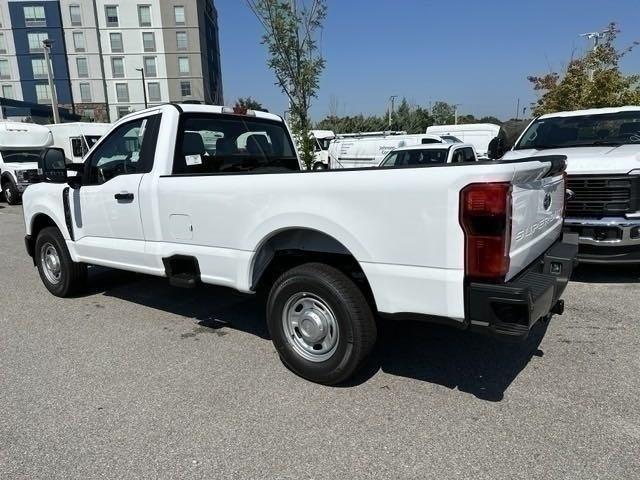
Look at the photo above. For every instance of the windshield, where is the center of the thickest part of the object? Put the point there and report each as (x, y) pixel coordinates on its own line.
(450, 139)
(233, 144)
(412, 158)
(17, 156)
(583, 131)
(92, 140)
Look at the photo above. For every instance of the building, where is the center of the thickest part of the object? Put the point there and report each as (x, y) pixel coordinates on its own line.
(102, 48)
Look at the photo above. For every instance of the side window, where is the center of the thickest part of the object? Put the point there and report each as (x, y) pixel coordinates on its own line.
(391, 160)
(76, 147)
(458, 156)
(128, 150)
(214, 143)
(468, 155)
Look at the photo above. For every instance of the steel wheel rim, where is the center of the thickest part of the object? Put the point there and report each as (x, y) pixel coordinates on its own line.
(7, 193)
(50, 261)
(310, 327)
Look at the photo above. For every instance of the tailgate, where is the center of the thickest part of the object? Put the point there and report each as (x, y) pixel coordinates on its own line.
(538, 198)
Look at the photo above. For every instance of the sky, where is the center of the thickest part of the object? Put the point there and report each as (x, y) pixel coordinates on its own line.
(474, 53)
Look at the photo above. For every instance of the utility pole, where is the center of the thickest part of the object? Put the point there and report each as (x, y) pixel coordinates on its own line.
(392, 101)
(595, 36)
(54, 96)
(455, 112)
(144, 87)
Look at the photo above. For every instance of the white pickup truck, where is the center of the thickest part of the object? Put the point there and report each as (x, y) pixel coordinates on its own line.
(474, 245)
(602, 147)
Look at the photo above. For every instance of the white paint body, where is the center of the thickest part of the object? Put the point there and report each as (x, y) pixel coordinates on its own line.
(16, 137)
(65, 134)
(401, 225)
(477, 134)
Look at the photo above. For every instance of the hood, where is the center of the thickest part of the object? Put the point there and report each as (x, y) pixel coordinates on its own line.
(590, 160)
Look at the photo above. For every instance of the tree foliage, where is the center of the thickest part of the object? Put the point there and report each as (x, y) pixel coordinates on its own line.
(249, 103)
(407, 117)
(291, 27)
(593, 80)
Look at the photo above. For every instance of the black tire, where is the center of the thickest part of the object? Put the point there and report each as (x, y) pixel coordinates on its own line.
(319, 166)
(10, 192)
(352, 314)
(72, 275)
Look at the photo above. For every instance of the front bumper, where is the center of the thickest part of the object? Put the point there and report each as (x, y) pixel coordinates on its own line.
(511, 309)
(606, 240)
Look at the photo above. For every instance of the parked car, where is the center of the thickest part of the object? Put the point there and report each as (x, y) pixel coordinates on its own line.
(20, 148)
(369, 149)
(430, 155)
(76, 139)
(477, 134)
(473, 245)
(603, 151)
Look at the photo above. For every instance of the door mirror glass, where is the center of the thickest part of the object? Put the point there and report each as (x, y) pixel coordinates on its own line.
(496, 148)
(52, 166)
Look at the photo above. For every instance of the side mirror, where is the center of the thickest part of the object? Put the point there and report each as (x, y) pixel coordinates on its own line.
(52, 166)
(496, 148)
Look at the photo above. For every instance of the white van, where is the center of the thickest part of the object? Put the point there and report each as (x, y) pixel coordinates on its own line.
(76, 139)
(477, 134)
(20, 148)
(368, 151)
(322, 139)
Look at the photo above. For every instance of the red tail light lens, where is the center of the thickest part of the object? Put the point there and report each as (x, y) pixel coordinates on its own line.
(485, 217)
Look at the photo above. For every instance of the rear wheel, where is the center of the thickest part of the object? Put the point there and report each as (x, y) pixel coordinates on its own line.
(319, 166)
(62, 276)
(320, 323)
(10, 192)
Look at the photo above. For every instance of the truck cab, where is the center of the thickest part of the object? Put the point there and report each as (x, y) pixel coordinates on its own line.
(76, 139)
(602, 147)
(20, 147)
(430, 155)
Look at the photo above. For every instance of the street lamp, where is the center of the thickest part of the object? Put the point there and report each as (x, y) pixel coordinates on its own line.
(46, 43)
(144, 87)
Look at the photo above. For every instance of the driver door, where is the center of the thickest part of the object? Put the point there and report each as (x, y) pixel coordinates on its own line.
(106, 209)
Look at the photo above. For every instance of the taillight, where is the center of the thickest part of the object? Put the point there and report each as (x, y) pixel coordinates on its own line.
(485, 217)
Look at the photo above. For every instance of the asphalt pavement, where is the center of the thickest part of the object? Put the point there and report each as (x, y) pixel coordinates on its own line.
(137, 379)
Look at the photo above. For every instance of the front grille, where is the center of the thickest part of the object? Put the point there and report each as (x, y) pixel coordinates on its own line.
(603, 195)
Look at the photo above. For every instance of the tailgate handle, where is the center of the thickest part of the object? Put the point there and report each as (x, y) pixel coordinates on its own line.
(124, 197)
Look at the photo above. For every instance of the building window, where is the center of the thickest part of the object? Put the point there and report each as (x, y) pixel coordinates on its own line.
(35, 41)
(83, 67)
(78, 41)
(3, 44)
(182, 40)
(76, 15)
(150, 69)
(42, 93)
(122, 111)
(85, 92)
(39, 66)
(34, 17)
(122, 92)
(117, 67)
(144, 15)
(178, 12)
(88, 114)
(5, 72)
(154, 92)
(111, 14)
(183, 66)
(149, 41)
(185, 89)
(7, 91)
(116, 42)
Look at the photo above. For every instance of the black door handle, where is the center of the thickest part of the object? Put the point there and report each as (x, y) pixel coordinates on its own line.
(127, 197)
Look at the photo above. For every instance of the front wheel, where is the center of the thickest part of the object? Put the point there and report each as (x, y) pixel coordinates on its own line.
(320, 166)
(320, 323)
(60, 274)
(10, 192)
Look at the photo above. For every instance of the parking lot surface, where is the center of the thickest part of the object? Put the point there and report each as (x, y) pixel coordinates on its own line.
(137, 379)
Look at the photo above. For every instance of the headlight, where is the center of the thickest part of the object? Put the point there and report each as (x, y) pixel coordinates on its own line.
(634, 172)
(26, 176)
(20, 175)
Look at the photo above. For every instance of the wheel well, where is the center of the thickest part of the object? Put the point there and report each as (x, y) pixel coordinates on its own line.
(40, 222)
(293, 247)
(6, 178)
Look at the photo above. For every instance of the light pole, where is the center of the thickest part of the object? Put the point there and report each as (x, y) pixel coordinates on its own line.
(392, 100)
(46, 43)
(144, 87)
(455, 113)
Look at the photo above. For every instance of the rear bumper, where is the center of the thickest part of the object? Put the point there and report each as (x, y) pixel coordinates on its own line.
(607, 240)
(511, 309)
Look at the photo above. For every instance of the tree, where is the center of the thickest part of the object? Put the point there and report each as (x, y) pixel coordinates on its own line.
(249, 103)
(591, 81)
(443, 113)
(290, 29)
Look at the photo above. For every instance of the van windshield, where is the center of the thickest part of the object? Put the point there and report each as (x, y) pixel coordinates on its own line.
(17, 156)
(612, 129)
